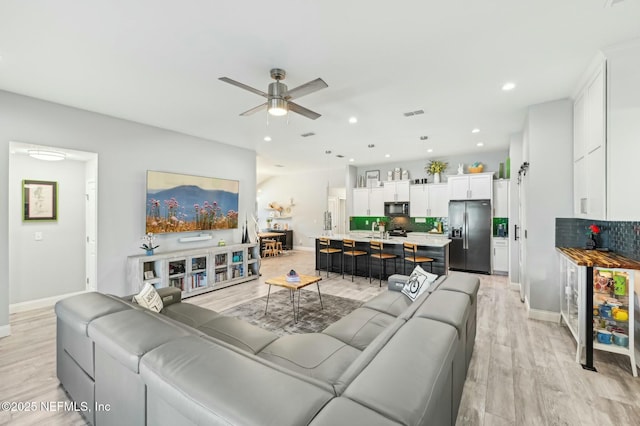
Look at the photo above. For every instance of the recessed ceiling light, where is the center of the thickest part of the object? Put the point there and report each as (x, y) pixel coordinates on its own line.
(480, 144)
(430, 150)
(353, 120)
(370, 145)
(351, 160)
(476, 130)
(508, 86)
(387, 155)
(267, 138)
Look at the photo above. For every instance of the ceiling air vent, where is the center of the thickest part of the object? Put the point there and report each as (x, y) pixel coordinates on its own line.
(306, 135)
(412, 113)
(424, 138)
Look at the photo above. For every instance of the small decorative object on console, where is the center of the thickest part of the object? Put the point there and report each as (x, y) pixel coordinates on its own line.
(147, 243)
(476, 167)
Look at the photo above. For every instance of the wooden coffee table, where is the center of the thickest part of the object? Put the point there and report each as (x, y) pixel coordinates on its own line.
(305, 280)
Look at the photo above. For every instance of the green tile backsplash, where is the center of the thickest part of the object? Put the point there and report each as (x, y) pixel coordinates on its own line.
(363, 223)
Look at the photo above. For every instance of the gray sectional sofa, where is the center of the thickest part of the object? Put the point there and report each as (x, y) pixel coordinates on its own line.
(389, 362)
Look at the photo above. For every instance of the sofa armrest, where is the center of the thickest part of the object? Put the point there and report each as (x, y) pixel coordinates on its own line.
(170, 295)
(396, 282)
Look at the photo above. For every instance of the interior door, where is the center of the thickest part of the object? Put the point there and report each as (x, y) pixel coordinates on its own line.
(521, 239)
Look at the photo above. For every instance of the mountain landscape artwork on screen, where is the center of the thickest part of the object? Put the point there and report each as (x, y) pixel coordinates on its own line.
(185, 203)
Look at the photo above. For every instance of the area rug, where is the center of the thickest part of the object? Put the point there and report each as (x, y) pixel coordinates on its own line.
(279, 318)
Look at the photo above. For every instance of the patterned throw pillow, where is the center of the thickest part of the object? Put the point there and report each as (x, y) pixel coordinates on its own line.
(417, 283)
(149, 298)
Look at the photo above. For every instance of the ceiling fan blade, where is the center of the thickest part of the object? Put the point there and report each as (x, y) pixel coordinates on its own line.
(303, 111)
(305, 89)
(243, 86)
(255, 109)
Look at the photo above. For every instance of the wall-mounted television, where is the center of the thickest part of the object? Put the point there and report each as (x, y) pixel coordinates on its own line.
(185, 203)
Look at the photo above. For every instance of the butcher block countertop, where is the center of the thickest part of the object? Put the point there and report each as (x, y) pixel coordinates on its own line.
(602, 259)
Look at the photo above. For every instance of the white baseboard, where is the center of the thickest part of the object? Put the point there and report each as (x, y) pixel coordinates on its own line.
(39, 303)
(514, 286)
(540, 315)
(5, 330)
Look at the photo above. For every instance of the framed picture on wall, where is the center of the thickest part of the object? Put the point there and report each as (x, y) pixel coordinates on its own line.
(40, 200)
(372, 177)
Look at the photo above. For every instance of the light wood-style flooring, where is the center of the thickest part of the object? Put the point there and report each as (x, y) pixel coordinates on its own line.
(522, 372)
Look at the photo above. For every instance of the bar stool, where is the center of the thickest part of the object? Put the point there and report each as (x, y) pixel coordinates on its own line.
(410, 251)
(325, 247)
(279, 249)
(349, 249)
(269, 248)
(376, 251)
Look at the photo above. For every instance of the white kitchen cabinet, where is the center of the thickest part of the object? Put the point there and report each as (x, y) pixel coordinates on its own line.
(368, 202)
(501, 198)
(438, 200)
(474, 186)
(396, 191)
(418, 201)
(500, 255)
(431, 200)
(589, 147)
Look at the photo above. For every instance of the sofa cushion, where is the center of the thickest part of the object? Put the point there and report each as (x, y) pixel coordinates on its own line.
(390, 302)
(407, 377)
(359, 327)
(211, 384)
(463, 283)
(450, 307)
(315, 355)
(189, 314)
(128, 335)
(238, 333)
(78, 311)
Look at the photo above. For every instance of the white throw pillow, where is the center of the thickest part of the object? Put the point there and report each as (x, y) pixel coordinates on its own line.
(418, 282)
(149, 298)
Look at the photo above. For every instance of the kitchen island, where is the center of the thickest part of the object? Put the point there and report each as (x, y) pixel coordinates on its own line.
(435, 246)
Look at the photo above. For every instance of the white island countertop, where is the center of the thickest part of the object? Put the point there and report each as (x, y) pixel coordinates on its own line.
(420, 238)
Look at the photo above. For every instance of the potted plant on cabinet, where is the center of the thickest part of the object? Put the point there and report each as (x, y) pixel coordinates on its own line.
(435, 167)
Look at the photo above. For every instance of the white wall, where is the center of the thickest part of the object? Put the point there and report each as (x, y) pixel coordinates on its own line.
(309, 193)
(125, 150)
(549, 189)
(56, 264)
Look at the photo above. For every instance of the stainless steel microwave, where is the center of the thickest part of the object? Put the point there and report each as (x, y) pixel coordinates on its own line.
(396, 209)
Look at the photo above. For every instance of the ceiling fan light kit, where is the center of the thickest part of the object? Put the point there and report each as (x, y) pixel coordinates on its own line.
(279, 96)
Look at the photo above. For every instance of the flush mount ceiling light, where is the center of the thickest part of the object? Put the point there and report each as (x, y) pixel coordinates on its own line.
(508, 86)
(46, 155)
(476, 130)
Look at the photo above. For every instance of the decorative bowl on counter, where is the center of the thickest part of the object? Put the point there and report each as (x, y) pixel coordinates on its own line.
(477, 169)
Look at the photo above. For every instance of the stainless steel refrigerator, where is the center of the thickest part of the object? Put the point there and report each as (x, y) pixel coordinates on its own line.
(470, 233)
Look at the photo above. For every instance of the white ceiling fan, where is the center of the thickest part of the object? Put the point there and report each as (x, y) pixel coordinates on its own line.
(279, 97)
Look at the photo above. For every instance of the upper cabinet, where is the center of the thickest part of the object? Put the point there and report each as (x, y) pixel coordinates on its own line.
(501, 198)
(589, 147)
(431, 200)
(368, 202)
(396, 191)
(474, 186)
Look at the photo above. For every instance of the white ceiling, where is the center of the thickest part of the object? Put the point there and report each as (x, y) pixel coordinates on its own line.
(158, 62)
